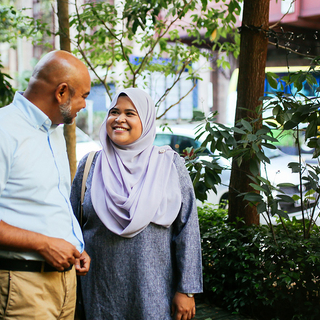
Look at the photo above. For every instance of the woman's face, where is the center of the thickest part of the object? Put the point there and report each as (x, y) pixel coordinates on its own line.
(123, 123)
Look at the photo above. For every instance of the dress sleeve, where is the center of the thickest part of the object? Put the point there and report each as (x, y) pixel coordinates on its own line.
(186, 239)
(75, 195)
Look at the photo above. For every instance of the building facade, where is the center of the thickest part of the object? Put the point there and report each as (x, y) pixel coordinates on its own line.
(295, 27)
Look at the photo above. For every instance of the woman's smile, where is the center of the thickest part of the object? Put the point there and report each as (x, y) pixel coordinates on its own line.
(120, 129)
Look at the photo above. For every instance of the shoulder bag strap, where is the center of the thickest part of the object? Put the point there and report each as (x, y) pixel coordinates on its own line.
(84, 180)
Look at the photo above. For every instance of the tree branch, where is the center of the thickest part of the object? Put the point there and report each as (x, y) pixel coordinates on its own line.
(85, 57)
(176, 102)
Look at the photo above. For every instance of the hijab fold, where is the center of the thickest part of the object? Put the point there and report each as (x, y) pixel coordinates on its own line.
(138, 184)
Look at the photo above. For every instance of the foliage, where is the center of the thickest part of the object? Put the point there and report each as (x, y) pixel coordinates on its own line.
(125, 43)
(6, 90)
(16, 24)
(300, 113)
(10, 27)
(295, 113)
(220, 140)
(204, 171)
(11, 24)
(205, 174)
(246, 272)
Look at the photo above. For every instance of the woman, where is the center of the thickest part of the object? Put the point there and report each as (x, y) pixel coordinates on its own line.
(140, 221)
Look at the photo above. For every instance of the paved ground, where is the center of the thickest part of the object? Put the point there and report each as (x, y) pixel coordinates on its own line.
(209, 312)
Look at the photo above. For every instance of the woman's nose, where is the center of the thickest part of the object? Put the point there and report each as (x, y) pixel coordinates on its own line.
(120, 118)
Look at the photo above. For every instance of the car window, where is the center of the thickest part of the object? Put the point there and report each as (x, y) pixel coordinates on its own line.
(162, 140)
(182, 142)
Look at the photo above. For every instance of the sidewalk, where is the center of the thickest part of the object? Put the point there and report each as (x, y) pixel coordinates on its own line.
(209, 312)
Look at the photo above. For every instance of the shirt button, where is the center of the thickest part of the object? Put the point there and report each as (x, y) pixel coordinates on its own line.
(162, 150)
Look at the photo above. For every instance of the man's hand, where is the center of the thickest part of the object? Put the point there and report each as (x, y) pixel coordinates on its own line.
(58, 252)
(183, 307)
(82, 265)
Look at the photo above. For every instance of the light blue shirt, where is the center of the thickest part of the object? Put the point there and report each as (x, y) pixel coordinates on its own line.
(35, 176)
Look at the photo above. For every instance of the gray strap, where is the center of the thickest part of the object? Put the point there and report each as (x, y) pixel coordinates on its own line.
(84, 180)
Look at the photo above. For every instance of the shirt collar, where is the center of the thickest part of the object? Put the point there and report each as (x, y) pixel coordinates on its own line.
(32, 113)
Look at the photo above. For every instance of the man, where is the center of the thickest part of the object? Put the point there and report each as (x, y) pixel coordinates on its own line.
(40, 239)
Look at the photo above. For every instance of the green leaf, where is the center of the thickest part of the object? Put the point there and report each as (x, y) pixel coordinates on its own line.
(286, 184)
(257, 187)
(295, 197)
(272, 79)
(295, 166)
(246, 124)
(262, 157)
(251, 137)
(269, 145)
(252, 197)
(196, 178)
(254, 167)
(290, 125)
(282, 214)
(261, 207)
(311, 130)
(285, 198)
(310, 192)
(263, 180)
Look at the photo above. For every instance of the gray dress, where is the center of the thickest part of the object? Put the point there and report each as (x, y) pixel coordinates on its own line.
(133, 279)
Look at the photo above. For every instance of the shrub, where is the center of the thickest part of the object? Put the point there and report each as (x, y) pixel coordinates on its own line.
(246, 271)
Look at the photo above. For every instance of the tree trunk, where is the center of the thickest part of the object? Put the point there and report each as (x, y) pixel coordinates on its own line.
(252, 61)
(69, 130)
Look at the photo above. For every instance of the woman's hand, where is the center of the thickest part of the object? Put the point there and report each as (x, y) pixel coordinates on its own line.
(183, 307)
(82, 264)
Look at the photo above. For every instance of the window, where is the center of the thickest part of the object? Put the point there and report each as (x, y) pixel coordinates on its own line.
(182, 142)
(162, 140)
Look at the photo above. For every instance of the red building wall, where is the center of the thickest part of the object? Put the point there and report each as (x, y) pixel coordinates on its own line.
(306, 13)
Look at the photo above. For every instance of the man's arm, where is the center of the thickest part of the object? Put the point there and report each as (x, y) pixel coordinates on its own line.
(57, 252)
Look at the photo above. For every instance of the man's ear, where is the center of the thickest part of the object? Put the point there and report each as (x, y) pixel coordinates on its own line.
(62, 92)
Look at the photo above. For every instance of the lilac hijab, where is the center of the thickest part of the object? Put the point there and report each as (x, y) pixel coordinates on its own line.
(138, 184)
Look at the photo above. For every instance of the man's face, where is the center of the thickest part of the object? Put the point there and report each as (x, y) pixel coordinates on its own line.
(76, 102)
(65, 111)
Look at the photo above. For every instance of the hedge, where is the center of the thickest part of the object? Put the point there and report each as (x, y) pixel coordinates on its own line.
(246, 272)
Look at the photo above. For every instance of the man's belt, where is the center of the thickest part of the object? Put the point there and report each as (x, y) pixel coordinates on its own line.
(28, 265)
